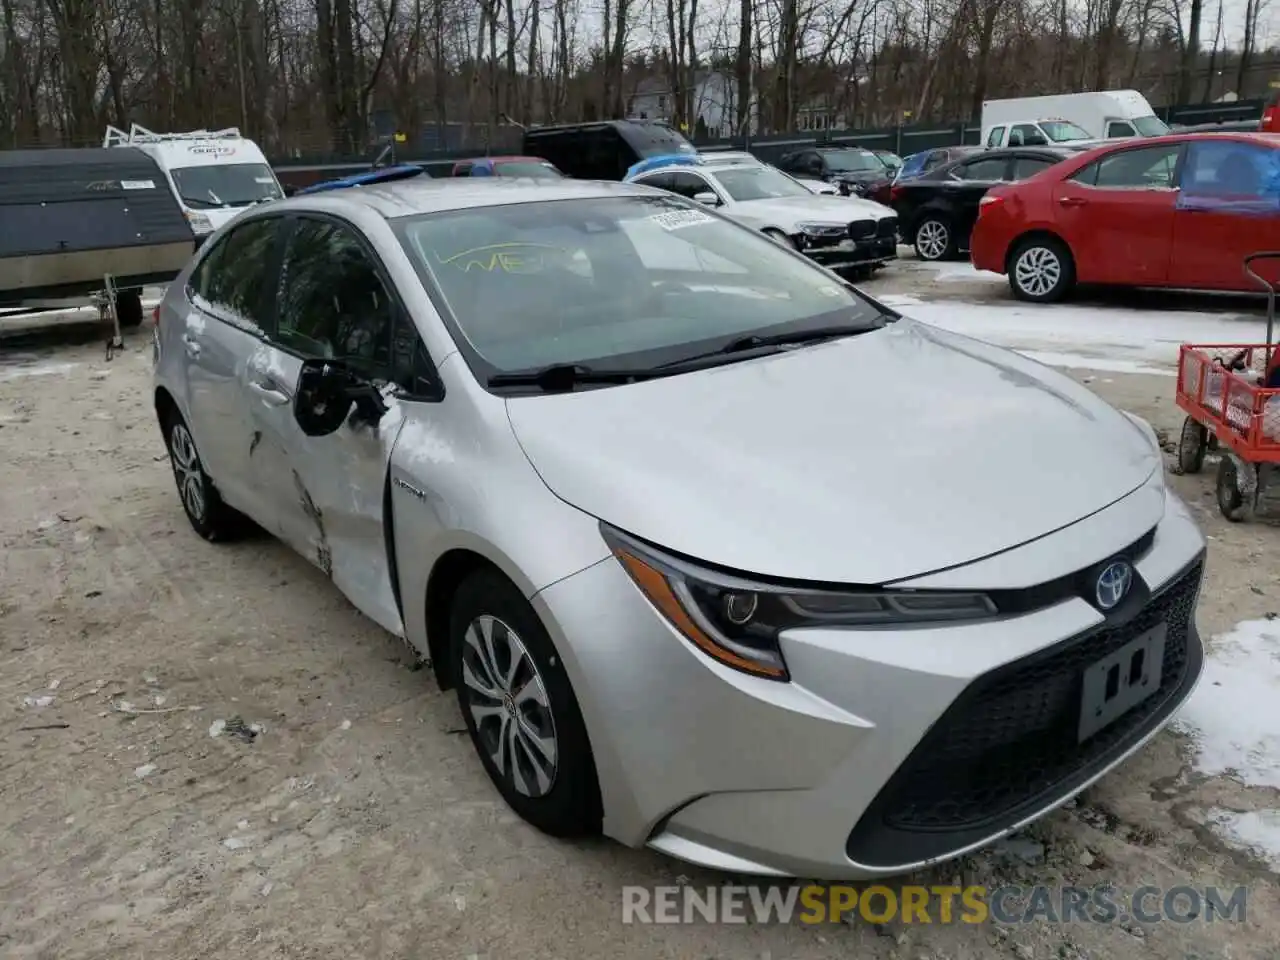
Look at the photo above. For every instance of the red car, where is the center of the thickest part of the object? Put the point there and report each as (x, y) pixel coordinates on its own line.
(1180, 211)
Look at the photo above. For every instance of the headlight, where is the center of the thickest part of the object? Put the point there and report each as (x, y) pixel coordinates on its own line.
(199, 222)
(738, 620)
(823, 229)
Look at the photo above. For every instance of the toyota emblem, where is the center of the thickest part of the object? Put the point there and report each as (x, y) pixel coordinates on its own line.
(1113, 584)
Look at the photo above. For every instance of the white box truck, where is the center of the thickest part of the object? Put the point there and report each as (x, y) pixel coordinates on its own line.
(1069, 118)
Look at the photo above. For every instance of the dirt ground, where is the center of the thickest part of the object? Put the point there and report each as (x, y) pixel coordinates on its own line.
(205, 752)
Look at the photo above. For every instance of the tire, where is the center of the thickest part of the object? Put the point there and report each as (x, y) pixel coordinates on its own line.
(210, 517)
(934, 239)
(1041, 270)
(494, 634)
(1192, 444)
(1230, 499)
(129, 308)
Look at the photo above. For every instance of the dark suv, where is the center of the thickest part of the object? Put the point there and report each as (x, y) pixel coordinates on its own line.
(603, 151)
(854, 170)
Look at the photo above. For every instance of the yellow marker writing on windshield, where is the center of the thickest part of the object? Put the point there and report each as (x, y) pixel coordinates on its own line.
(505, 257)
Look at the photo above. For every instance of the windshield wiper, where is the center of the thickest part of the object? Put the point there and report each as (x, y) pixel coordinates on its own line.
(756, 342)
(561, 377)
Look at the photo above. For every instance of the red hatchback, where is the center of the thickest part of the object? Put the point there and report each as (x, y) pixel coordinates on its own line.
(1181, 211)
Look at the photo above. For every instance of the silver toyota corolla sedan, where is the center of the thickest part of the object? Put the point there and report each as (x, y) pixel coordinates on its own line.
(721, 556)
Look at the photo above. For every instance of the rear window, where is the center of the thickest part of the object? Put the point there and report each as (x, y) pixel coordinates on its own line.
(655, 141)
(528, 168)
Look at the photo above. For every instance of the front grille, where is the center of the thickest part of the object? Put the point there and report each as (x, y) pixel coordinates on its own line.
(862, 230)
(1008, 745)
(887, 228)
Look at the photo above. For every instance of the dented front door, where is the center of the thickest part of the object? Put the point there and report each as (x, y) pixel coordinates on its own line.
(326, 493)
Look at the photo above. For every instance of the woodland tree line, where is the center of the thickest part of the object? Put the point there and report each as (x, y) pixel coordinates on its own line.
(310, 75)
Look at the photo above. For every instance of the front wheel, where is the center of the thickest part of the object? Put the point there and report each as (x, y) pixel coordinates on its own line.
(1192, 444)
(1230, 497)
(1041, 270)
(519, 708)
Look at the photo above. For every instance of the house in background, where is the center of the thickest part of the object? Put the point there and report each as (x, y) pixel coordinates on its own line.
(715, 103)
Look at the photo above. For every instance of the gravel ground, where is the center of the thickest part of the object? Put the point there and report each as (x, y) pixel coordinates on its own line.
(205, 752)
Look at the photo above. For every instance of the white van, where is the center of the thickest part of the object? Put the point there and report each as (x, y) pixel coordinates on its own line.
(215, 174)
(1069, 118)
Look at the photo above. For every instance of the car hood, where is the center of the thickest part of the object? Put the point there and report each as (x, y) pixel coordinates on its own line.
(864, 460)
(818, 207)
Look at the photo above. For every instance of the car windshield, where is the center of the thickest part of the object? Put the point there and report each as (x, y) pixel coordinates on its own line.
(759, 183)
(619, 282)
(1150, 126)
(852, 161)
(538, 169)
(225, 185)
(892, 161)
(1060, 131)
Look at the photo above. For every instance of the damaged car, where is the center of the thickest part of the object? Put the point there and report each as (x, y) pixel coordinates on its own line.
(720, 556)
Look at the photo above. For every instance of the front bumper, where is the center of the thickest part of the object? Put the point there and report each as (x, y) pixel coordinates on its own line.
(888, 750)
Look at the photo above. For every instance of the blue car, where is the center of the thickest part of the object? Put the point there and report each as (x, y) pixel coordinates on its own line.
(385, 175)
(665, 160)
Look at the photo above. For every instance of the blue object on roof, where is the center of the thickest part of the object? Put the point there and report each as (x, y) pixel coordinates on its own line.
(385, 175)
(665, 160)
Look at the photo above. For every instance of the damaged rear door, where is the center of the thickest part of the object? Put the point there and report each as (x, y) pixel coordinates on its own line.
(328, 492)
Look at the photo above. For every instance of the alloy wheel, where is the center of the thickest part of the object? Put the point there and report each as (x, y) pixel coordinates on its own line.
(932, 239)
(508, 703)
(1038, 271)
(187, 470)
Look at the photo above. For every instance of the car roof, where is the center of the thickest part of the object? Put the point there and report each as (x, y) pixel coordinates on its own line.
(424, 195)
(506, 158)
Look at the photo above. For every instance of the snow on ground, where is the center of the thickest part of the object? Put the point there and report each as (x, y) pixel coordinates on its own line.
(1233, 718)
(964, 273)
(1256, 831)
(1098, 338)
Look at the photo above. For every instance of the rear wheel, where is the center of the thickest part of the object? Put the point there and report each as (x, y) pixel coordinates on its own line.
(1041, 270)
(209, 516)
(1192, 444)
(935, 240)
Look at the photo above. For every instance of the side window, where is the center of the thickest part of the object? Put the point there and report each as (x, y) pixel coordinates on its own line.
(660, 180)
(1024, 167)
(331, 300)
(1087, 175)
(1027, 135)
(688, 185)
(1139, 169)
(995, 137)
(232, 279)
(989, 168)
(1120, 128)
(1230, 168)
(462, 170)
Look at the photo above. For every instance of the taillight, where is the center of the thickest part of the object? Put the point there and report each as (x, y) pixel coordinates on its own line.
(155, 316)
(989, 203)
(895, 192)
(1271, 119)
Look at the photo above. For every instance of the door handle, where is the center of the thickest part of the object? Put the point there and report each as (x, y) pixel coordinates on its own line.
(191, 345)
(269, 393)
(1072, 201)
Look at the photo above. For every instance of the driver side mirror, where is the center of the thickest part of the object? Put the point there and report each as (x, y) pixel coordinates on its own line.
(707, 198)
(326, 393)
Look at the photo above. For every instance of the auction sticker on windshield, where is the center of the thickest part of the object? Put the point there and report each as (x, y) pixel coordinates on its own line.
(680, 218)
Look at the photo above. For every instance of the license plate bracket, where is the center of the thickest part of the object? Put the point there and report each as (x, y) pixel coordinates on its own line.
(1121, 680)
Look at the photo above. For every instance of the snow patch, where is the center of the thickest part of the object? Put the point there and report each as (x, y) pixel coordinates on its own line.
(1256, 832)
(1233, 718)
(36, 370)
(964, 272)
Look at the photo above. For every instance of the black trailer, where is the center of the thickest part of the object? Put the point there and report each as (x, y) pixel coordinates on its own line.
(76, 222)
